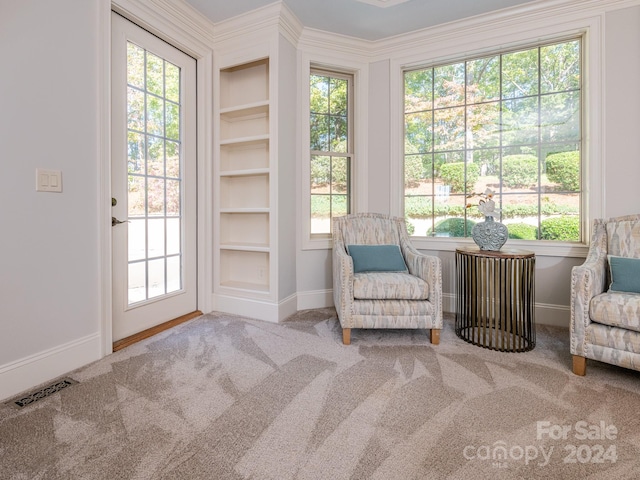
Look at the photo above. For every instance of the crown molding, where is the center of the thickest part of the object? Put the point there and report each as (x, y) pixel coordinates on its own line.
(528, 13)
(177, 16)
(290, 25)
(273, 17)
(313, 39)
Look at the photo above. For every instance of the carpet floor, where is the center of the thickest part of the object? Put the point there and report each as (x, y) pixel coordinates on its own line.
(226, 397)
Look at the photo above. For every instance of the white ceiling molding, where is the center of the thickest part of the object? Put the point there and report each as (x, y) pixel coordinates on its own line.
(383, 3)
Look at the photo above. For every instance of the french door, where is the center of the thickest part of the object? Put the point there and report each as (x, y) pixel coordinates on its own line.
(153, 177)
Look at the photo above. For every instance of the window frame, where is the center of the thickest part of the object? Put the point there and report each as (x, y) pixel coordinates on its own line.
(509, 37)
(538, 146)
(349, 154)
(357, 67)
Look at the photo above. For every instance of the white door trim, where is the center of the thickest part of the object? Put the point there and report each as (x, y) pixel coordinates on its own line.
(186, 33)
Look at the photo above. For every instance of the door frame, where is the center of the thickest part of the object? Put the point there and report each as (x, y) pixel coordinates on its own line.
(188, 37)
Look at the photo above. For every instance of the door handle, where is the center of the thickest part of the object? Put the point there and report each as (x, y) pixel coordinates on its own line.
(115, 221)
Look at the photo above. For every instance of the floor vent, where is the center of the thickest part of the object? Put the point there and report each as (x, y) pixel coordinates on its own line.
(43, 392)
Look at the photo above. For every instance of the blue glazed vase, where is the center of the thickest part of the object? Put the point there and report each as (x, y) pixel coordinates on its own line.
(489, 234)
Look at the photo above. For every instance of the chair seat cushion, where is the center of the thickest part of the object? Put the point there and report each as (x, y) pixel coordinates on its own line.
(389, 286)
(616, 310)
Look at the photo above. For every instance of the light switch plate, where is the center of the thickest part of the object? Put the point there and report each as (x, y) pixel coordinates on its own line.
(48, 180)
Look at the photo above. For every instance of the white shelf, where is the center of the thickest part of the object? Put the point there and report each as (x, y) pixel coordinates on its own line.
(245, 267)
(244, 210)
(248, 109)
(245, 140)
(245, 247)
(244, 173)
(243, 192)
(244, 84)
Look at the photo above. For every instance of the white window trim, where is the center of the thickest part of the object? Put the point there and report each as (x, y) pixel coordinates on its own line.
(359, 170)
(533, 32)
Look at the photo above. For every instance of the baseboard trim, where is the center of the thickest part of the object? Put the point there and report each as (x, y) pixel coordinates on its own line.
(258, 309)
(24, 374)
(315, 299)
(150, 332)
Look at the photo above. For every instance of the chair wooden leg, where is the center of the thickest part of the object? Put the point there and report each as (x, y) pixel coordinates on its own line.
(579, 365)
(346, 336)
(435, 336)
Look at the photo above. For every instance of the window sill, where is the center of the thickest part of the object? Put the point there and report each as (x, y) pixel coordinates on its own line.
(448, 244)
(539, 247)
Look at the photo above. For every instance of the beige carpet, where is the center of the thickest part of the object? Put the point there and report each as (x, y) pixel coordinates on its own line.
(222, 397)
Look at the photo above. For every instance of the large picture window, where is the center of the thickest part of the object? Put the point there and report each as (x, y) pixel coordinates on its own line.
(331, 148)
(509, 122)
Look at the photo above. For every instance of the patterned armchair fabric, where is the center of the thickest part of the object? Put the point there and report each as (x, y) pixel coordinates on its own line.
(384, 299)
(605, 326)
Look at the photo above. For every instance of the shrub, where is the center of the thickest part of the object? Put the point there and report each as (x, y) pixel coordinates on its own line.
(522, 231)
(452, 227)
(416, 169)
(411, 228)
(564, 168)
(417, 207)
(453, 174)
(560, 228)
(519, 170)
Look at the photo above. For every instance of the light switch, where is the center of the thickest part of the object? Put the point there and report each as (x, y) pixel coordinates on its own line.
(48, 180)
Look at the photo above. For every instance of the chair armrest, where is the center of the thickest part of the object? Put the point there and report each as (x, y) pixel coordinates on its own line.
(587, 281)
(428, 268)
(342, 284)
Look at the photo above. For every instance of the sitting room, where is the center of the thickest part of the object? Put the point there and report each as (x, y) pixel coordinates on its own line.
(320, 239)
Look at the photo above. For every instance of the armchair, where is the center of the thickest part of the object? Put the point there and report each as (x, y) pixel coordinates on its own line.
(605, 322)
(384, 299)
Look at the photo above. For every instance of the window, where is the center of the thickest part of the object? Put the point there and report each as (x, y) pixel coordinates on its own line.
(331, 148)
(509, 122)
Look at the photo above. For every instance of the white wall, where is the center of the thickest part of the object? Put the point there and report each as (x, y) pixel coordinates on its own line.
(49, 267)
(621, 105)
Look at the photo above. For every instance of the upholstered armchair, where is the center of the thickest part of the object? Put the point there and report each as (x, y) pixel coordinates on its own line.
(386, 283)
(605, 309)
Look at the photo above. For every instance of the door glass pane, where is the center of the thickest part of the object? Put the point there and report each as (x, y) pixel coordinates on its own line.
(173, 236)
(154, 183)
(173, 274)
(137, 282)
(137, 248)
(156, 238)
(156, 278)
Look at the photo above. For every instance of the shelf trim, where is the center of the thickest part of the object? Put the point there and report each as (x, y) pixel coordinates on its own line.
(246, 210)
(246, 106)
(245, 172)
(246, 247)
(249, 139)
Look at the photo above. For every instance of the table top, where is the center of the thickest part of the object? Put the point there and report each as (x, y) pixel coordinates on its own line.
(502, 253)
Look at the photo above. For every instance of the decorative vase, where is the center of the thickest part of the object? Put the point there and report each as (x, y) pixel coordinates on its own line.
(489, 234)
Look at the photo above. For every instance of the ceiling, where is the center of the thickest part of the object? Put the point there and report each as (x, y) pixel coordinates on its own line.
(365, 19)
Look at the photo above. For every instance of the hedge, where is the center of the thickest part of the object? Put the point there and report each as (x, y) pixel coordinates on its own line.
(522, 231)
(519, 170)
(451, 227)
(454, 174)
(560, 228)
(564, 168)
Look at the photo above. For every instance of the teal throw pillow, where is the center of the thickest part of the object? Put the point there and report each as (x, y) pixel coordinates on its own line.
(377, 258)
(625, 274)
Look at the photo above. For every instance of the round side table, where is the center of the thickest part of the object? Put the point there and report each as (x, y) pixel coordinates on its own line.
(495, 298)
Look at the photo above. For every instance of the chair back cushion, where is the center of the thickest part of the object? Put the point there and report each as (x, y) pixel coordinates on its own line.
(370, 229)
(623, 236)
